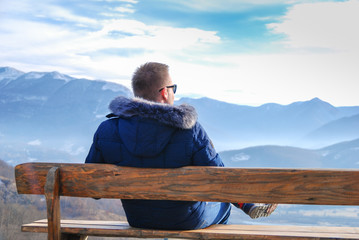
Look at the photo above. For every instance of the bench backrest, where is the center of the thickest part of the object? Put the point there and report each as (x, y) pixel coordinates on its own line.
(291, 186)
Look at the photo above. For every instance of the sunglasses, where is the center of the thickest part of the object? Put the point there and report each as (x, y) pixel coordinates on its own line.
(174, 86)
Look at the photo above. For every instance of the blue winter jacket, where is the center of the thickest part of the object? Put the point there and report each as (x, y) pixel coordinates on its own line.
(154, 135)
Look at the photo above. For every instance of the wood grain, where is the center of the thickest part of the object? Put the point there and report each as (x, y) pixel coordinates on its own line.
(122, 229)
(52, 189)
(292, 186)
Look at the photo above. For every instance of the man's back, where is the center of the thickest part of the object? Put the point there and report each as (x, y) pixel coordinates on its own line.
(170, 138)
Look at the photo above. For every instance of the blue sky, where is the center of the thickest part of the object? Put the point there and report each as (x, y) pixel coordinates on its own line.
(240, 51)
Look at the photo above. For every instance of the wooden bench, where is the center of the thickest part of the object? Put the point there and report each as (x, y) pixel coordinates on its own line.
(289, 186)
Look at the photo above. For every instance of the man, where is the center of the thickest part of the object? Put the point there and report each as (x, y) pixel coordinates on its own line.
(149, 131)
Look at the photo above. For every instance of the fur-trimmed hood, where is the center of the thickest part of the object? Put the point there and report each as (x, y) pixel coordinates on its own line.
(183, 116)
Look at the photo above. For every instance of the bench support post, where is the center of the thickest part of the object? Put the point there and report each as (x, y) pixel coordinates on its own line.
(52, 188)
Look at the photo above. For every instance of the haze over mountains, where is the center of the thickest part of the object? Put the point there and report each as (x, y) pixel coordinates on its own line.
(303, 124)
(49, 116)
(341, 155)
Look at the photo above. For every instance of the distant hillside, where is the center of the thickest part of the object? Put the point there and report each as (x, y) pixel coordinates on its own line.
(6, 171)
(15, 209)
(271, 156)
(342, 155)
(235, 126)
(343, 129)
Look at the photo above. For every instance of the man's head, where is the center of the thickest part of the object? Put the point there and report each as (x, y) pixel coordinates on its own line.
(152, 81)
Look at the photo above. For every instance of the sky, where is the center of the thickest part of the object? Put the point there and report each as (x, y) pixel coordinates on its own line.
(248, 52)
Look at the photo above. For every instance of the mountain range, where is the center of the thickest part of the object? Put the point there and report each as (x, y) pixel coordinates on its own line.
(340, 155)
(49, 116)
(51, 110)
(310, 124)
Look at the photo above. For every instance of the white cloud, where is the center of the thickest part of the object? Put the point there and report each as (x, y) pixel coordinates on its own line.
(149, 37)
(62, 14)
(29, 44)
(124, 9)
(44, 37)
(48, 10)
(28, 35)
(230, 5)
(129, 1)
(330, 25)
(126, 1)
(71, 149)
(36, 142)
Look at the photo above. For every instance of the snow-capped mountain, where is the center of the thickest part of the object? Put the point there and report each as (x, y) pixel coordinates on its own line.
(53, 110)
(7, 74)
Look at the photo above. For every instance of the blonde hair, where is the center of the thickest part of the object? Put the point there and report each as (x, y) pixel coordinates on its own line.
(148, 79)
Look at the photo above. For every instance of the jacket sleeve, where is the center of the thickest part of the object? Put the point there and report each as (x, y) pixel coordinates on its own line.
(204, 153)
(94, 155)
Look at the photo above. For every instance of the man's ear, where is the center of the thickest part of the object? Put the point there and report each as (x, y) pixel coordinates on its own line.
(164, 93)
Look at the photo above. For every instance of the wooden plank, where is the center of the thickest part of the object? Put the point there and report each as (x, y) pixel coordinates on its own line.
(292, 186)
(52, 189)
(31, 177)
(122, 229)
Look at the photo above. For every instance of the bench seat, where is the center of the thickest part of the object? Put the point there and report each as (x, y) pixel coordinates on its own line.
(122, 229)
(219, 184)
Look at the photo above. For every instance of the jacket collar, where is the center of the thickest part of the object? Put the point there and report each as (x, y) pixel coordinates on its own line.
(183, 116)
